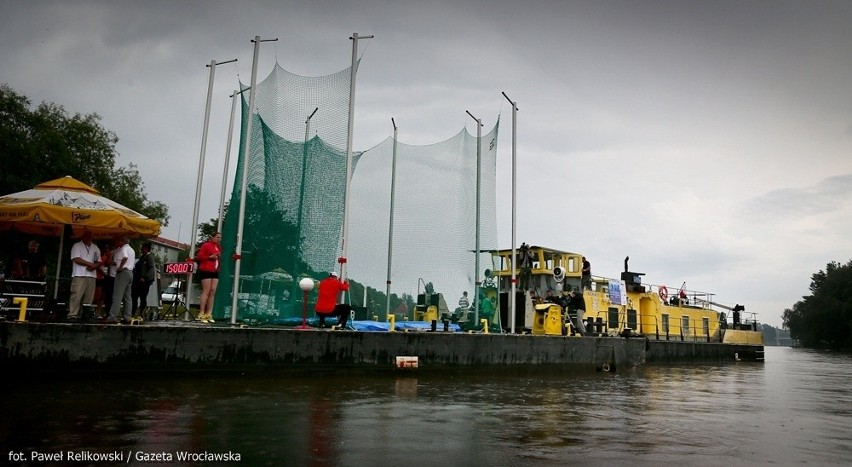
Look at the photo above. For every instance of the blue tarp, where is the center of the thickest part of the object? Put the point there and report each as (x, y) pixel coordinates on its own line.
(371, 326)
(401, 326)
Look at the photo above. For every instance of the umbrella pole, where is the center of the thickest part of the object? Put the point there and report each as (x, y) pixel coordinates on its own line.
(58, 264)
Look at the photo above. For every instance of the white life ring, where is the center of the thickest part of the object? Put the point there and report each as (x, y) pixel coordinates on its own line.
(663, 292)
(605, 367)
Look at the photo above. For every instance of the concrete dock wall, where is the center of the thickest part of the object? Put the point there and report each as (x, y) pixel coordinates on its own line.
(675, 351)
(48, 346)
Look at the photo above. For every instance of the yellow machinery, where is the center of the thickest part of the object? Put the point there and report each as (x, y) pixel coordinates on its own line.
(431, 313)
(548, 320)
(429, 307)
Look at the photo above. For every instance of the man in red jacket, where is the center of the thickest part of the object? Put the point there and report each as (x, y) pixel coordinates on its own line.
(329, 290)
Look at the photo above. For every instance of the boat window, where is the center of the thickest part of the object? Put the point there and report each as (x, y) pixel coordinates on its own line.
(666, 323)
(612, 319)
(632, 319)
(505, 262)
(684, 325)
(706, 325)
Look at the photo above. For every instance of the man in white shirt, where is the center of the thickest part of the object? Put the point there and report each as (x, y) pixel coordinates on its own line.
(123, 258)
(85, 260)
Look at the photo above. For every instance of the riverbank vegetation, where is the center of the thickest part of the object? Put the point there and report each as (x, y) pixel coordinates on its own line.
(823, 320)
(773, 336)
(45, 143)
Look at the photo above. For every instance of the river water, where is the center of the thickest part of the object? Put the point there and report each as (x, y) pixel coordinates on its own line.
(796, 408)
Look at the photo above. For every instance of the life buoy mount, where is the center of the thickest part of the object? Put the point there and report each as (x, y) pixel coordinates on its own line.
(663, 292)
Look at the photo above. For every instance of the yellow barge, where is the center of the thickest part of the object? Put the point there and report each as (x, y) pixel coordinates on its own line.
(555, 299)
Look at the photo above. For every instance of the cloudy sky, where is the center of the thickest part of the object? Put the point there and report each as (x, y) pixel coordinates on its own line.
(709, 141)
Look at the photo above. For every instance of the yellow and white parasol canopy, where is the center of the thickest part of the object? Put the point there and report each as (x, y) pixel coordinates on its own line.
(49, 206)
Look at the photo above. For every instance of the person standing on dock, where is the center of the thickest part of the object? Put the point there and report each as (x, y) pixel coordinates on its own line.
(577, 305)
(464, 302)
(586, 280)
(124, 258)
(525, 261)
(85, 260)
(327, 306)
(103, 281)
(144, 273)
(208, 257)
(464, 305)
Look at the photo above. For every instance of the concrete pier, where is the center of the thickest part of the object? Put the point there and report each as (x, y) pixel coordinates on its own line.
(180, 346)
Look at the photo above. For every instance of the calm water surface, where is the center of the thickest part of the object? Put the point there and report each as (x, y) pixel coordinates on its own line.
(794, 409)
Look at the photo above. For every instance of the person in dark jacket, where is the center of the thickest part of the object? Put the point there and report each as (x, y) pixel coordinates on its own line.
(144, 273)
(577, 305)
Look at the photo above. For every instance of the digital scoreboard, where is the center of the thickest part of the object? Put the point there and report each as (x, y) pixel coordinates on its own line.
(182, 268)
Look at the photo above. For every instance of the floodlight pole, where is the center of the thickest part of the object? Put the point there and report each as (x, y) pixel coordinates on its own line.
(200, 177)
(390, 224)
(227, 160)
(514, 209)
(298, 252)
(477, 283)
(238, 250)
(350, 129)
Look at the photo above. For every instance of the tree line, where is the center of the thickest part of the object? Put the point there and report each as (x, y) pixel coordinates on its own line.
(46, 142)
(823, 319)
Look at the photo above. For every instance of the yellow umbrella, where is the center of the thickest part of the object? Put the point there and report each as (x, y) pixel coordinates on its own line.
(47, 208)
(50, 206)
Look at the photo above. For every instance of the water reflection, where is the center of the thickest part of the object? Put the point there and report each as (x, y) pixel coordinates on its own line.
(794, 408)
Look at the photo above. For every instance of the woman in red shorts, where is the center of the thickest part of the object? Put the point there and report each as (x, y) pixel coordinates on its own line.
(208, 257)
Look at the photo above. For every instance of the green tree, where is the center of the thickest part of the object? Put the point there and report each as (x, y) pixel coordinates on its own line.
(48, 143)
(207, 229)
(824, 318)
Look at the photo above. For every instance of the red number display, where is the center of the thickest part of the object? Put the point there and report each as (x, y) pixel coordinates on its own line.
(179, 268)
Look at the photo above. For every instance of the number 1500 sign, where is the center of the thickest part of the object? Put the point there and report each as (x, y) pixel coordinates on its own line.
(179, 268)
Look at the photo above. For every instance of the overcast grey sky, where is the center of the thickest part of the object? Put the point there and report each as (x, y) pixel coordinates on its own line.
(708, 140)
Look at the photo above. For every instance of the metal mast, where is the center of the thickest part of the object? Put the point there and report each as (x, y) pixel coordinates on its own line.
(478, 195)
(194, 231)
(344, 247)
(238, 250)
(514, 209)
(390, 224)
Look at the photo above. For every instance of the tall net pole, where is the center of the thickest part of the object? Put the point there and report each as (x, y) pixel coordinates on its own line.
(477, 283)
(514, 209)
(390, 224)
(238, 250)
(194, 231)
(350, 129)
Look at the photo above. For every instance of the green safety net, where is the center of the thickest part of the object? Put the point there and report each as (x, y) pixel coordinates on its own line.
(294, 205)
(434, 235)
